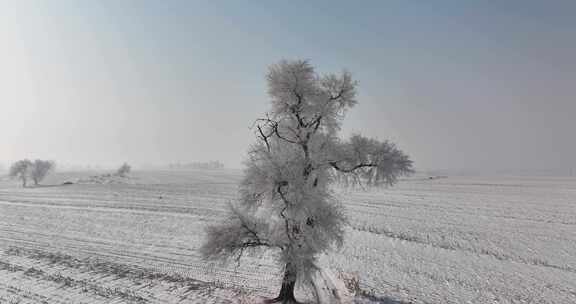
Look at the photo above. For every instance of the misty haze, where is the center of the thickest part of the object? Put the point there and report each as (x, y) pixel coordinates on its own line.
(325, 152)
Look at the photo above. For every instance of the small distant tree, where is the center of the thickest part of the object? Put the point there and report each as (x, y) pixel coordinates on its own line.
(286, 201)
(124, 170)
(40, 169)
(21, 170)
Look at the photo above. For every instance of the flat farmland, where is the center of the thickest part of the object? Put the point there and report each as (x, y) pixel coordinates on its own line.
(448, 240)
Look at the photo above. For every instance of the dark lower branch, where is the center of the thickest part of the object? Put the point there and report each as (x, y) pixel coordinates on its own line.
(352, 169)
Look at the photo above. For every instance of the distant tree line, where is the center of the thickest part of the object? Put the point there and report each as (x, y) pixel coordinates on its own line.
(36, 171)
(197, 165)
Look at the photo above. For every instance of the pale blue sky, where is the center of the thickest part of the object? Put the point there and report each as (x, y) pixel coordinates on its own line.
(457, 84)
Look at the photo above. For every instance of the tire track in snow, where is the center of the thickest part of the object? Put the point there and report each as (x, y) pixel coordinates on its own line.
(498, 256)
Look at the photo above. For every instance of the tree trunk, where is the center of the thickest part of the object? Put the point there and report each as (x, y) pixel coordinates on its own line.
(286, 295)
(329, 288)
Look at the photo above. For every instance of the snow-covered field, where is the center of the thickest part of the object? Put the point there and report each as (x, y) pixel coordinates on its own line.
(449, 240)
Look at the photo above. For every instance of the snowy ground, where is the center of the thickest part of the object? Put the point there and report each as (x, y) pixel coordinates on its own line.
(449, 240)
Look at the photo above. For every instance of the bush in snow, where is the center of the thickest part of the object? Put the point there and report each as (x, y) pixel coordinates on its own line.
(124, 170)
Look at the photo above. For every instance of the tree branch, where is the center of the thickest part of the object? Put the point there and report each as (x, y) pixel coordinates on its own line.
(354, 168)
(286, 203)
(264, 137)
(332, 98)
(274, 126)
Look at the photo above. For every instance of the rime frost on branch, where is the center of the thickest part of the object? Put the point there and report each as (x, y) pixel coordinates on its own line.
(285, 197)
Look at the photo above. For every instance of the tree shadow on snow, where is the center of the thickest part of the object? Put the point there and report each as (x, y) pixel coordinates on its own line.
(370, 299)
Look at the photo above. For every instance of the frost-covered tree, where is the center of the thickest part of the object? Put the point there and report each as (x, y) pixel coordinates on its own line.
(21, 170)
(123, 170)
(286, 201)
(40, 169)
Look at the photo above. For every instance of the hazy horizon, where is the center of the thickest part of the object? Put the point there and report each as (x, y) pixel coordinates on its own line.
(458, 86)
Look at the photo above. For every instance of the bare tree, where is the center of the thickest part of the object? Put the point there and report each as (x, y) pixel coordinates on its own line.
(21, 170)
(123, 170)
(40, 169)
(286, 201)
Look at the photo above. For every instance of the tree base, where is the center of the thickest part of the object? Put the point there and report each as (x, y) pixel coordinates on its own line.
(286, 295)
(284, 300)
